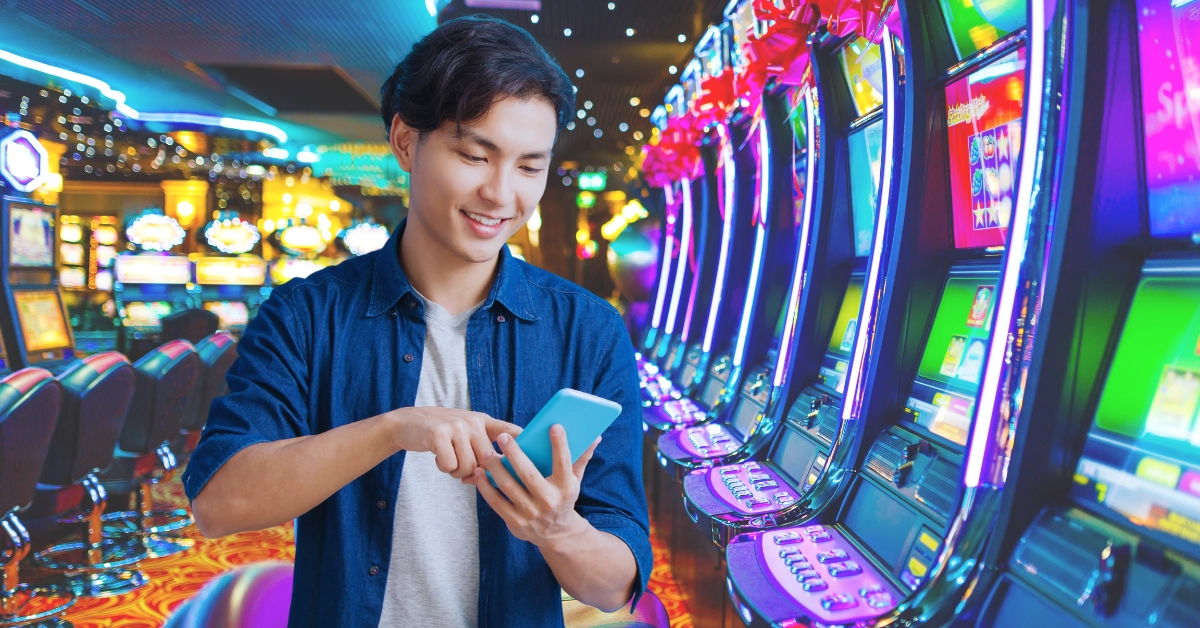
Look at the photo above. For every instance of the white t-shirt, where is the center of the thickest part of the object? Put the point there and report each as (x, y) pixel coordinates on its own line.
(433, 577)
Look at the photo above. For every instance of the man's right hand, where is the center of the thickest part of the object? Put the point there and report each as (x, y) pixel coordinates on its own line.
(458, 439)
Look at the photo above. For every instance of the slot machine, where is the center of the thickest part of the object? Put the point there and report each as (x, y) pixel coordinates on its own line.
(1100, 523)
(892, 529)
(793, 443)
(152, 282)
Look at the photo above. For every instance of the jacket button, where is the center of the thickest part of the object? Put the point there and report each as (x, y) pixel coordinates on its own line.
(381, 504)
(412, 305)
(393, 313)
(408, 357)
(374, 571)
(500, 318)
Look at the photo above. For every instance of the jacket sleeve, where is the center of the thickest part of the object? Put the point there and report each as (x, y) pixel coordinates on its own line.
(612, 497)
(267, 398)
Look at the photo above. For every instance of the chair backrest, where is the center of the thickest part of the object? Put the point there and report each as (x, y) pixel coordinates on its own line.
(164, 381)
(217, 353)
(29, 404)
(192, 325)
(96, 395)
(252, 596)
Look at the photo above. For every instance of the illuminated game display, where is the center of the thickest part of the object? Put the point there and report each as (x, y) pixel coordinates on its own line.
(1169, 48)
(837, 359)
(1142, 457)
(977, 24)
(30, 236)
(943, 396)
(866, 146)
(153, 269)
(145, 314)
(43, 320)
(862, 67)
(983, 113)
(232, 314)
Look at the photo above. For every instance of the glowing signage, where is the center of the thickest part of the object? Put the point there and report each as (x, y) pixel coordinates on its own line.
(364, 238)
(231, 271)
(285, 270)
(592, 181)
(160, 269)
(302, 239)
(24, 162)
(231, 235)
(155, 232)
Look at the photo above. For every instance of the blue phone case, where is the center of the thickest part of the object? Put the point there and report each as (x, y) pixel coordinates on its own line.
(583, 416)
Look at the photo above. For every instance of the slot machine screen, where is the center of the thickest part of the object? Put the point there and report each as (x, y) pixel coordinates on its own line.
(30, 236)
(983, 130)
(977, 24)
(862, 67)
(1142, 456)
(943, 396)
(866, 149)
(841, 343)
(1169, 52)
(145, 313)
(231, 314)
(43, 323)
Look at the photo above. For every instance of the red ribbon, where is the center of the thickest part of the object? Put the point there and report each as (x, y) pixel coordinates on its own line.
(864, 18)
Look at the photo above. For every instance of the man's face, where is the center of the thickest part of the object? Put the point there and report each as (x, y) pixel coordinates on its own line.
(471, 191)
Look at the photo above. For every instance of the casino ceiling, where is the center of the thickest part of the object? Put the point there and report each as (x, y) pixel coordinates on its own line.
(313, 67)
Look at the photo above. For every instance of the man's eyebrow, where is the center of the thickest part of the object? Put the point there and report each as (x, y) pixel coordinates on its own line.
(468, 135)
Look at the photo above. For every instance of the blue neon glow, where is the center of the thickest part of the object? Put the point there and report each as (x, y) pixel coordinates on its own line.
(225, 123)
(83, 79)
(853, 404)
(684, 249)
(798, 277)
(760, 237)
(730, 180)
(981, 429)
(656, 319)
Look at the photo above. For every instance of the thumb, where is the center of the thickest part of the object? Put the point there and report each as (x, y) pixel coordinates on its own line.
(496, 427)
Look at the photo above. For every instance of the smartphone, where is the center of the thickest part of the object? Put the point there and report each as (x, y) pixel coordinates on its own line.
(583, 416)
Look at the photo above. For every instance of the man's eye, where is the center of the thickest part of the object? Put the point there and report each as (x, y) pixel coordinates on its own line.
(472, 158)
(531, 169)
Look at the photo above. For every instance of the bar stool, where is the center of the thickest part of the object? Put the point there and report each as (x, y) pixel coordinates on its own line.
(217, 353)
(96, 396)
(29, 404)
(143, 457)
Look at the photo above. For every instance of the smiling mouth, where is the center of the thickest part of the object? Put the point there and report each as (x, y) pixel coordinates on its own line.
(483, 220)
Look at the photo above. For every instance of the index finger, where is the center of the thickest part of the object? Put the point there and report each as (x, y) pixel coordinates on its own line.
(496, 427)
(523, 467)
(560, 450)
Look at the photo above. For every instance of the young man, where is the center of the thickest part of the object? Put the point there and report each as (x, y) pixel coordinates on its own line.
(366, 398)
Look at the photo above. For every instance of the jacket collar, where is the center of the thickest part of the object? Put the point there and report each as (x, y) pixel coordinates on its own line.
(389, 284)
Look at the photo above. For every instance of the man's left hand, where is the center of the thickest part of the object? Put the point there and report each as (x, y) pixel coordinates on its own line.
(542, 511)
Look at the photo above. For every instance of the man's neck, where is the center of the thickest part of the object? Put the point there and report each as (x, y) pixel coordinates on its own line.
(439, 275)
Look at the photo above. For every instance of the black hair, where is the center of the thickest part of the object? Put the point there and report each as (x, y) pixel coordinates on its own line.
(464, 66)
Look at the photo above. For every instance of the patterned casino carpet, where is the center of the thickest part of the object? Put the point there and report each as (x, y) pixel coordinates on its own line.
(176, 578)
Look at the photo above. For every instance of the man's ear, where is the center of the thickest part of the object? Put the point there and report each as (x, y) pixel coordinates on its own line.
(403, 139)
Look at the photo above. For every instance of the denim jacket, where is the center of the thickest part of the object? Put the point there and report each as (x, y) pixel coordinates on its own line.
(346, 344)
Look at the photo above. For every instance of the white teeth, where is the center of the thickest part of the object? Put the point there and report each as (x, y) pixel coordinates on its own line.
(491, 222)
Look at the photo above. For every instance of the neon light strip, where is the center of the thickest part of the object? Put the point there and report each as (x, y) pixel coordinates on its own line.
(853, 396)
(802, 254)
(686, 185)
(226, 123)
(685, 334)
(118, 97)
(760, 237)
(666, 266)
(727, 215)
(45, 68)
(981, 430)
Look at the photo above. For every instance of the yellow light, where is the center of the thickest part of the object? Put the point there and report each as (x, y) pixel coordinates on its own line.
(289, 182)
(303, 210)
(583, 235)
(613, 228)
(645, 113)
(185, 212)
(629, 150)
(635, 101)
(268, 225)
(287, 198)
(53, 183)
(637, 135)
(334, 205)
(632, 210)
